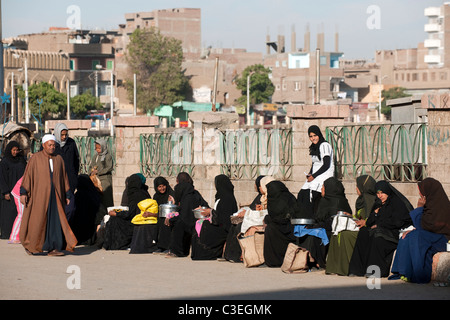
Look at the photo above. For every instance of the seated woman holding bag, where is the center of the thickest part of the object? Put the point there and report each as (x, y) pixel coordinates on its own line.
(233, 250)
(345, 229)
(145, 231)
(119, 229)
(210, 233)
(315, 238)
(278, 232)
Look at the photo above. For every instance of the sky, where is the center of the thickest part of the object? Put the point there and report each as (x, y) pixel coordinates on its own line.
(364, 26)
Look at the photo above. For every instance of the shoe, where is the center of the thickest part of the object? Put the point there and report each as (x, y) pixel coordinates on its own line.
(171, 255)
(394, 276)
(55, 253)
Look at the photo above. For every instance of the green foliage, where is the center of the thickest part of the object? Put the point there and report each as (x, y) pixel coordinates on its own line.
(82, 103)
(156, 60)
(54, 102)
(261, 88)
(392, 93)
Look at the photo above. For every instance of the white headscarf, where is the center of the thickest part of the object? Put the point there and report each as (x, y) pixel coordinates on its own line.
(58, 128)
(264, 182)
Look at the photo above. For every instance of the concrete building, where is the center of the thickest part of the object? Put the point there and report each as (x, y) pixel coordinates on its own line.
(91, 57)
(183, 24)
(34, 66)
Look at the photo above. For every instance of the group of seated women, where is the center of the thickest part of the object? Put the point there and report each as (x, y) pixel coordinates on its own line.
(341, 241)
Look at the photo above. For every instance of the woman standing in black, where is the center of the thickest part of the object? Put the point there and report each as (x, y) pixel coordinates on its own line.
(12, 168)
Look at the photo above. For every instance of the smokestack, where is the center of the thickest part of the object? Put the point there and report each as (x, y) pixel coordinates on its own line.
(307, 39)
(336, 40)
(268, 43)
(317, 98)
(321, 39)
(293, 39)
(281, 46)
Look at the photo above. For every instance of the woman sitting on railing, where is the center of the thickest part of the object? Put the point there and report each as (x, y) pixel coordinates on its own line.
(378, 239)
(415, 250)
(322, 168)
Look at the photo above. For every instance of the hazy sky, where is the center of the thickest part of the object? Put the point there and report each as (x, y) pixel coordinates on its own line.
(363, 25)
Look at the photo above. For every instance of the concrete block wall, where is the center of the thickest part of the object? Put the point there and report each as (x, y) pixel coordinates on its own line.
(129, 128)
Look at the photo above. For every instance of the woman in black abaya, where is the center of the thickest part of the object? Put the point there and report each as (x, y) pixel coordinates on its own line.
(163, 191)
(12, 168)
(279, 232)
(182, 226)
(87, 204)
(119, 229)
(378, 239)
(210, 235)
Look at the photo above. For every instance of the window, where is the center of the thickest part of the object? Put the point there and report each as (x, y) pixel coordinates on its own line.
(110, 64)
(72, 64)
(94, 64)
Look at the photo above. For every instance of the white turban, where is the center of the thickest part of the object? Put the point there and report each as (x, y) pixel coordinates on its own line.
(48, 137)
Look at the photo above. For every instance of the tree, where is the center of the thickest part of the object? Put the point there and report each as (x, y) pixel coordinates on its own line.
(82, 103)
(156, 60)
(261, 88)
(392, 93)
(53, 101)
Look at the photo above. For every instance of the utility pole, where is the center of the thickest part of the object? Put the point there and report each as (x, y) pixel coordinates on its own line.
(215, 85)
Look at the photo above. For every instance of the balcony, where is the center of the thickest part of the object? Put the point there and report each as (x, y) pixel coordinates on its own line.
(432, 43)
(432, 27)
(432, 58)
(432, 12)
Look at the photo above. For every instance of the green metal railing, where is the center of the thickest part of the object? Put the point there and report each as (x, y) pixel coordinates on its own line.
(241, 154)
(396, 152)
(166, 153)
(86, 149)
(246, 154)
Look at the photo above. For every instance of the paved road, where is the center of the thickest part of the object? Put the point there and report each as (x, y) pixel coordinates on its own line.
(106, 275)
